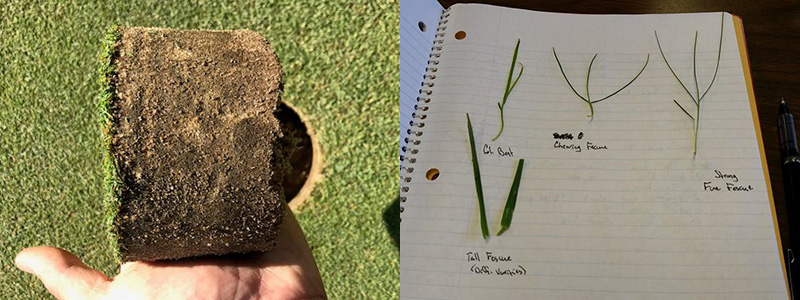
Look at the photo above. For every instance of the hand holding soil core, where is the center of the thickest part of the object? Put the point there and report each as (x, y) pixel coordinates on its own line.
(198, 154)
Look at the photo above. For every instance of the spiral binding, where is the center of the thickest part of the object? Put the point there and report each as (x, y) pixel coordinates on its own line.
(417, 123)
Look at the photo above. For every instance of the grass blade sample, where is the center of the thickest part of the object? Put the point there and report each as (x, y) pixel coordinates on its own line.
(588, 98)
(478, 187)
(511, 202)
(509, 87)
(196, 154)
(697, 98)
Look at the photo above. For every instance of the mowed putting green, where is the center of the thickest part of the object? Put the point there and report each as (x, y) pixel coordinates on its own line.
(340, 61)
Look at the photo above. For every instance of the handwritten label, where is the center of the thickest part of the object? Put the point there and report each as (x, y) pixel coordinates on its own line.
(725, 182)
(566, 135)
(559, 145)
(563, 138)
(719, 174)
(491, 263)
(591, 146)
(499, 151)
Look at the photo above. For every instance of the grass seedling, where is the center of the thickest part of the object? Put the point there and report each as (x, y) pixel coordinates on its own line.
(697, 98)
(478, 187)
(588, 98)
(511, 202)
(509, 87)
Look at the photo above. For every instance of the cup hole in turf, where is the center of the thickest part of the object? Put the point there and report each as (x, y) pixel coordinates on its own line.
(432, 174)
(460, 35)
(306, 159)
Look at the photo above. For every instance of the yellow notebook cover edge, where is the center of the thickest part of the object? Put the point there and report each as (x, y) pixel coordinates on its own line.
(739, 28)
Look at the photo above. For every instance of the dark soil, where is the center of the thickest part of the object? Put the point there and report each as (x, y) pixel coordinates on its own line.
(199, 152)
(300, 161)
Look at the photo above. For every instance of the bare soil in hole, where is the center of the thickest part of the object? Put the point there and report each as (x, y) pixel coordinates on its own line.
(199, 151)
(301, 159)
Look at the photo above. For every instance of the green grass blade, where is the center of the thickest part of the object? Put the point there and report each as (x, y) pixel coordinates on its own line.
(681, 107)
(511, 202)
(588, 96)
(510, 74)
(509, 88)
(588, 74)
(521, 68)
(671, 70)
(719, 55)
(629, 82)
(694, 68)
(478, 187)
(565, 77)
(716, 70)
(696, 128)
(502, 123)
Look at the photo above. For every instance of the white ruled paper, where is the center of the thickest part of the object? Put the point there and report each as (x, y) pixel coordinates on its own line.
(415, 45)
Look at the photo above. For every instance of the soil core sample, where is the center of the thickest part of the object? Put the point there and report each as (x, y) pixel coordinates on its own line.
(196, 157)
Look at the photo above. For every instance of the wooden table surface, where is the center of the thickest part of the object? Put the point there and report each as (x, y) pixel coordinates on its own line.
(772, 30)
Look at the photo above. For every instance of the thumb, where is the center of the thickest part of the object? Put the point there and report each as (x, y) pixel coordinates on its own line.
(63, 274)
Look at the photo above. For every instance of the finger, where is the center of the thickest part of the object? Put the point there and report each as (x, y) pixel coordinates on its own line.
(293, 256)
(63, 274)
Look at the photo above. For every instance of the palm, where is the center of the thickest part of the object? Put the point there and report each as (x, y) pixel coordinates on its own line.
(186, 281)
(286, 272)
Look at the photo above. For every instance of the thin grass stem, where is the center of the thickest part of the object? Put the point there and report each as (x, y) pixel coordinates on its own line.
(671, 70)
(502, 122)
(567, 78)
(511, 73)
(719, 55)
(588, 74)
(696, 129)
(509, 87)
(629, 82)
(681, 107)
(694, 69)
(588, 97)
(697, 98)
(521, 68)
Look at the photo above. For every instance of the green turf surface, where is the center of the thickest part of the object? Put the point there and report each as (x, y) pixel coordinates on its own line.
(340, 61)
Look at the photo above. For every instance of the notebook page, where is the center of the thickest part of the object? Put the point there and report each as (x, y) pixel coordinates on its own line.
(623, 209)
(415, 46)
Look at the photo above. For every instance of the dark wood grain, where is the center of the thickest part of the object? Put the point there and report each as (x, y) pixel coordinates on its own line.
(772, 30)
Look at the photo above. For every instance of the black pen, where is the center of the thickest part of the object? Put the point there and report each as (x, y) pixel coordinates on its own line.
(791, 178)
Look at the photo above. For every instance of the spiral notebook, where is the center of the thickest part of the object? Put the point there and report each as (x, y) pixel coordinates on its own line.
(628, 190)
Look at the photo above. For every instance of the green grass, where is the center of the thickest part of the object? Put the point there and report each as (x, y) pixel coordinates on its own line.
(511, 202)
(107, 94)
(697, 99)
(341, 72)
(588, 98)
(478, 186)
(509, 87)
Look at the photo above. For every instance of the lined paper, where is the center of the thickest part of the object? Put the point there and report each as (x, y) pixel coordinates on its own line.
(415, 45)
(625, 212)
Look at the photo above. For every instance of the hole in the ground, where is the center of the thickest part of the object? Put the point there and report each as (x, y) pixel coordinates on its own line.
(297, 184)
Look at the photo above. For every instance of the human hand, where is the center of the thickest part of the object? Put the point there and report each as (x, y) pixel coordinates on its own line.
(286, 272)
